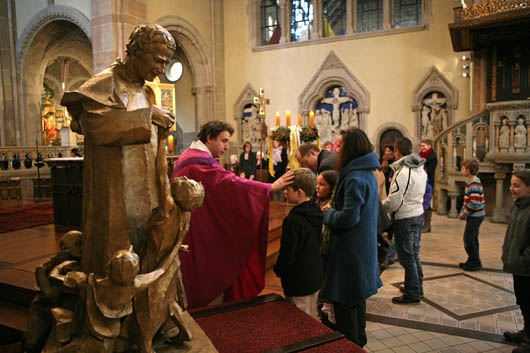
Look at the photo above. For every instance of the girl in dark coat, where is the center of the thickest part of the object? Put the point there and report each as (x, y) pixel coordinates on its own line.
(352, 273)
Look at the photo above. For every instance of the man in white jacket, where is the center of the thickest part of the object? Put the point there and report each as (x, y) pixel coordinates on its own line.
(405, 201)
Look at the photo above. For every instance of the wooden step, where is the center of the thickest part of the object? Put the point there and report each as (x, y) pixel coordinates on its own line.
(273, 249)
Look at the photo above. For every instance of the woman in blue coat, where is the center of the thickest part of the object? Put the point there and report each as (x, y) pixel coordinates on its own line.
(352, 273)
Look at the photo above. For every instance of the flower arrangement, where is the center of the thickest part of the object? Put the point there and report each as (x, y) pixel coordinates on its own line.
(308, 134)
(281, 134)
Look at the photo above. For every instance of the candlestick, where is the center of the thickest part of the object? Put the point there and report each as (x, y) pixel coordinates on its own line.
(288, 117)
(170, 143)
(277, 119)
(299, 119)
(312, 119)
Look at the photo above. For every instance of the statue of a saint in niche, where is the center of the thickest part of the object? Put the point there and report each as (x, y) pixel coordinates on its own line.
(504, 135)
(519, 140)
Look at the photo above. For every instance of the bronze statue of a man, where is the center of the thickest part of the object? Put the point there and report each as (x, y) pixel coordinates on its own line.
(122, 131)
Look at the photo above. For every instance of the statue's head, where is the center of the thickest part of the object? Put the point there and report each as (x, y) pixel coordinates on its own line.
(187, 193)
(123, 267)
(149, 49)
(71, 243)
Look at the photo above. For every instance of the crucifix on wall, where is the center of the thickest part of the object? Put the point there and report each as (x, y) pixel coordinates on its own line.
(261, 101)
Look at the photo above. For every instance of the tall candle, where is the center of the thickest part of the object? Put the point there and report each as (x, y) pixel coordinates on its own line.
(312, 119)
(170, 143)
(299, 119)
(277, 119)
(288, 117)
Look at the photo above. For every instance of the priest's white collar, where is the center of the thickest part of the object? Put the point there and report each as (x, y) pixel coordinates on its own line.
(199, 145)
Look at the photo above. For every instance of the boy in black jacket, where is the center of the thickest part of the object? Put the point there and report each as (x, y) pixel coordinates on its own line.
(299, 263)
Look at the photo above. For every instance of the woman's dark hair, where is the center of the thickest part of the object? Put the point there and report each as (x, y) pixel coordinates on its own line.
(330, 176)
(245, 144)
(390, 147)
(355, 144)
(214, 128)
(524, 175)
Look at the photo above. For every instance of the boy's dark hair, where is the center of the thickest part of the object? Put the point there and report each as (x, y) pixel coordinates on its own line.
(471, 165)
(524, 175)
(214, 128)
(304, 179)
(404, 146)
(247, 143)
(304, 148)
(330, 176)
(390, 147)
(355, 144)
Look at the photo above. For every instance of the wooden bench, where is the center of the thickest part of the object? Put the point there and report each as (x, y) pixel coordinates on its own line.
(10, 189)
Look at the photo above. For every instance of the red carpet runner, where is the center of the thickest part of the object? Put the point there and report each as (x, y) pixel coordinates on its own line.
(271, 326)
(25, 217)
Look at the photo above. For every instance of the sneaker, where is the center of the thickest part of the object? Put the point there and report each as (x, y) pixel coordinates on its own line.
(404, 300)
(471, 268)
(515, 336)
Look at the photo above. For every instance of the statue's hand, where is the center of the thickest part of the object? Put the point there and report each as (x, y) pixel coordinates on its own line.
(162, 117)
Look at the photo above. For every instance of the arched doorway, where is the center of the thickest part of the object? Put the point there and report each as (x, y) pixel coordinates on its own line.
(388, 138)
(57, 59)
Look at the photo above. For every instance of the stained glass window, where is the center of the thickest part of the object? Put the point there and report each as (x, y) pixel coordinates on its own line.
(407, 13)
(301, 19)
(334, 17)
(270, 16)
(369, 15)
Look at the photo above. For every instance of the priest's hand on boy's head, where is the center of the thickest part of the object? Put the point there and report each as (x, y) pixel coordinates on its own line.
(283, 181)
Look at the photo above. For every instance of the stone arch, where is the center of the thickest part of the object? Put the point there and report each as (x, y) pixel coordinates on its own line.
(333, 72)
(194, 47)
(37, 39)
(434, 81)
(245, 97)
(376, 137)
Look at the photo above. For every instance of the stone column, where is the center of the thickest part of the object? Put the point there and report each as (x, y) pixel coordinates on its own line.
(528, 137)
(316, 26)
(388, 20)
(453, 212)
(285, 16)
(442, 202)
(112, 23)
(218, 58)
(511, 124)
(203, 104)
(499, 215)
(351, 8)
(497, 132)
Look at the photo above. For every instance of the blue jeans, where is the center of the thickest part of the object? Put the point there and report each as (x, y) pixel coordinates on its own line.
(471, 240)
(407, 233)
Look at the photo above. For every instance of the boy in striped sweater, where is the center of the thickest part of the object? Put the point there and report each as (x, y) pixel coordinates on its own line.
(473, 212)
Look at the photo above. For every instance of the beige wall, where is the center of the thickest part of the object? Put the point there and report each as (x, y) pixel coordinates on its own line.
(196, 12)
(85, 6)
(25, 10)
(185, 102)
(390, 67)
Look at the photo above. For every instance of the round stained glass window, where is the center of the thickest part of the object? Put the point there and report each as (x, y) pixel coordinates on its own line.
(174, 71)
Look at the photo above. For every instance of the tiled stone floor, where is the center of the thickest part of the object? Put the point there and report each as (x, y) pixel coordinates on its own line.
(461, 312)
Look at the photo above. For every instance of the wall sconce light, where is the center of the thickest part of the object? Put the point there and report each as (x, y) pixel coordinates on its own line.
(466, 74)
(466, 58)
(466, 66)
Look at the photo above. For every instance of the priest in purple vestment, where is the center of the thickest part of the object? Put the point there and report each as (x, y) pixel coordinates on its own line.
(228, 234)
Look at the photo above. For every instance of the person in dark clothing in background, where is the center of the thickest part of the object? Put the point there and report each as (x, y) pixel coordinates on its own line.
(247, 161)
(431, 161)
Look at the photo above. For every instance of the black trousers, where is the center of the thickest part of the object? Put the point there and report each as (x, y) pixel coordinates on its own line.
(521, 288)
(351, 321)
